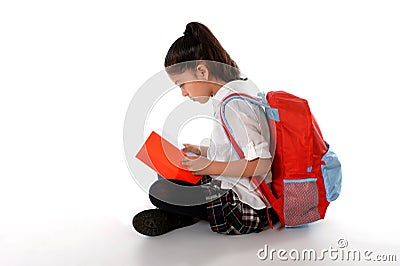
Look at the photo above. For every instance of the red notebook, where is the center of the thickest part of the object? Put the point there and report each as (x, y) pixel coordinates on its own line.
(166, 159)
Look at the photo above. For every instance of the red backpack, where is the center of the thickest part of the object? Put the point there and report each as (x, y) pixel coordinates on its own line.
(306, 173)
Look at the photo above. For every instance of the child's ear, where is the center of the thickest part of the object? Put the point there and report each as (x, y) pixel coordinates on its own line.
(202, 72)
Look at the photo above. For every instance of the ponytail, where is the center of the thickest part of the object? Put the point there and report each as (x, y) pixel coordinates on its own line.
(199, 43)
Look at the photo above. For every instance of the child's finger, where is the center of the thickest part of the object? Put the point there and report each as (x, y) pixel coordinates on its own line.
(185, 159)
(187, 148)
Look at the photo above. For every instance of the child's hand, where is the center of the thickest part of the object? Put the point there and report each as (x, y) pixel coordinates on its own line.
(196, 164)
(192, 148)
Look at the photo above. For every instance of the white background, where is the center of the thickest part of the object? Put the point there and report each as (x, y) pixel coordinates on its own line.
(68, 70)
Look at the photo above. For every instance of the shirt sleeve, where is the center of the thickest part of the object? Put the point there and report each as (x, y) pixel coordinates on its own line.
(249, 127)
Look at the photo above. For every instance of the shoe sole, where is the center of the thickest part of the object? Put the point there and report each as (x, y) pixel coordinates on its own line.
(151, 222)
(156, 222)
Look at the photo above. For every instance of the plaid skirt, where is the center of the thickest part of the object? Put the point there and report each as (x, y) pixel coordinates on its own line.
(227, 214)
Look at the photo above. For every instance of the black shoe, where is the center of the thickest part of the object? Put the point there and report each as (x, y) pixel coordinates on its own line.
(156, 222)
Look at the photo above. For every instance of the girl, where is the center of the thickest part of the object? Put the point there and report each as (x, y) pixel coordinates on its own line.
(201, 67)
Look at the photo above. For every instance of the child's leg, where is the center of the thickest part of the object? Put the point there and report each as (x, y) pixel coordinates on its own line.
(175, 196)
(163, 194)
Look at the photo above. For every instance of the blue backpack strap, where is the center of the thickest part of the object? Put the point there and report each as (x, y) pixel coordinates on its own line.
(265, 192)
(272, 113)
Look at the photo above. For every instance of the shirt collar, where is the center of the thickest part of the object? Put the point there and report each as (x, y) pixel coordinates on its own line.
(228, 88)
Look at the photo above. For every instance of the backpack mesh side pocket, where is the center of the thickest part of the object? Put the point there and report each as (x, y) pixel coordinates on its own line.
(300, 203)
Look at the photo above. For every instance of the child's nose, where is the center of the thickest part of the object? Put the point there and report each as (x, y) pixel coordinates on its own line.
(184, 93)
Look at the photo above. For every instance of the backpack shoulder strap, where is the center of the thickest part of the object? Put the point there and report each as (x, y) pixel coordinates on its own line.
(272, 114)
(265, 192)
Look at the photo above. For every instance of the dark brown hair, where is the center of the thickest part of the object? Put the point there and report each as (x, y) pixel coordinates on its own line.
(199, 43)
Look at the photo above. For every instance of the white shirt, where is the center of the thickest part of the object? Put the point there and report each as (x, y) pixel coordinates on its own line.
(250, 130)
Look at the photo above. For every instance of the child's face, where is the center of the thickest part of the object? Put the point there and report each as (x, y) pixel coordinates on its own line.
(194, 84)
